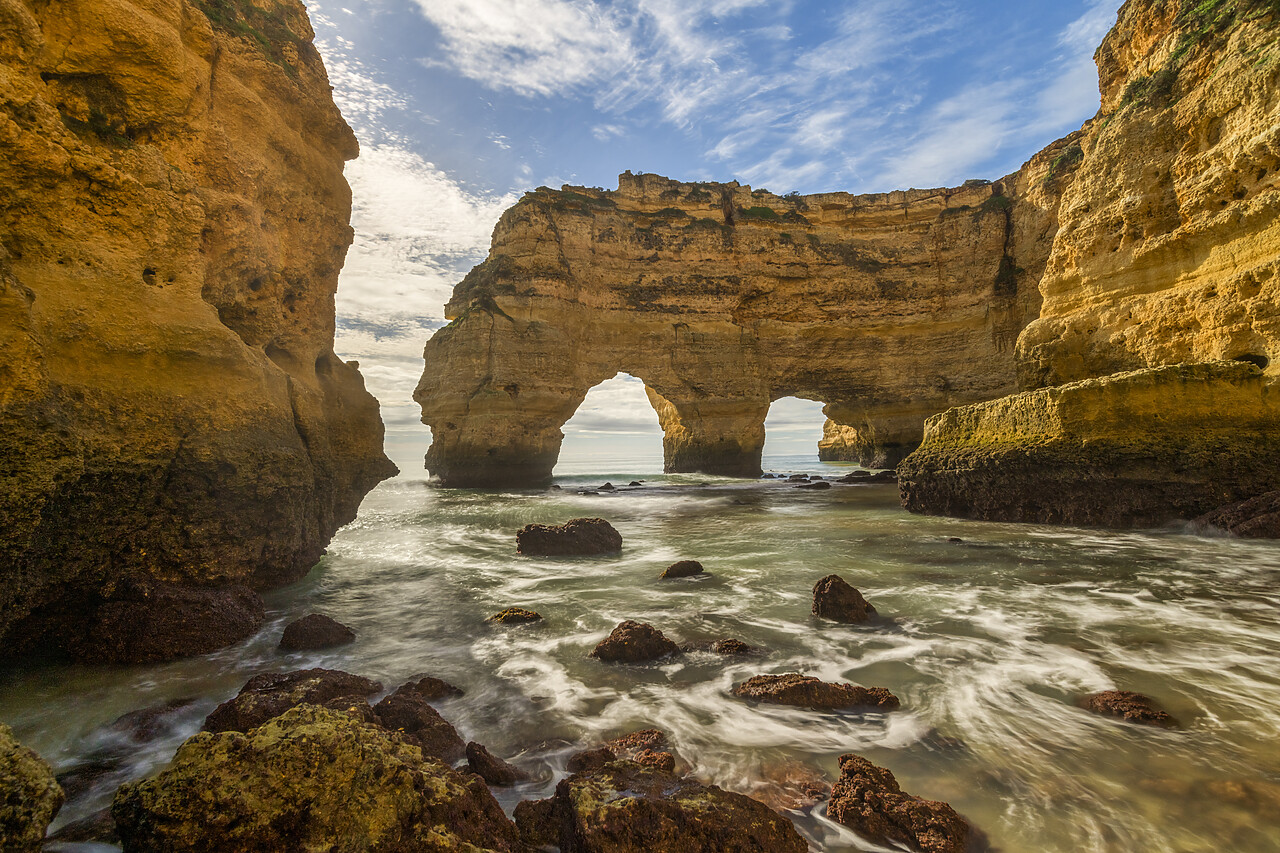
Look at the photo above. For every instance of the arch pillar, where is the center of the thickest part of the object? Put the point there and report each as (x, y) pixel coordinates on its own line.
(882, 440)
(723, 436)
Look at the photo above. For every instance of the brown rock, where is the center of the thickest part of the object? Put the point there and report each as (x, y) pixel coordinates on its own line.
(433, 689)
(835, 599)
(629, 745)
(406, 711)
(590, 759)
(790, 785)
(1256, 518)
(150, 622)
(1130, 707)
(173, 407)
(515, 616)
(270, 694)
(664, 761)
(579, 537)
(634, 642)
(315, 631)
(808, 692)
(867, 799)
(625, 807)
(731, 647)
(492, 770)
(29, 796)
(817, 485)
(683, 569)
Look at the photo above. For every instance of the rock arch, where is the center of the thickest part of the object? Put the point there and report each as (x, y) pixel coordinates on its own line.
(889, 308)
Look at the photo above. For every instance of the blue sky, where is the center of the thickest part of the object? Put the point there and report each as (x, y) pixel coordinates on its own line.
(462, 105)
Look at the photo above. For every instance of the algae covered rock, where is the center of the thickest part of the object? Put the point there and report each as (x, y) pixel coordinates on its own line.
(805, 691)
(1133, 449)
(311, 779)
(29, 796)
(833, 598)
(626, 807)
(271, 694)
(577, 537)
(634, 642)
(868, 800)
(1130, 707)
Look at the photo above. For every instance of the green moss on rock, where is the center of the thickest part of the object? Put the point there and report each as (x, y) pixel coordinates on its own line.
(29, 796)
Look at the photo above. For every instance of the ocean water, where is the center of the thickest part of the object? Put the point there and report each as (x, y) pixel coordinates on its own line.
(987, 642)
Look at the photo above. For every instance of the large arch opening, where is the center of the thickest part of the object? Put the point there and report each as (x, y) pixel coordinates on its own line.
(792, 431)
(614, 431)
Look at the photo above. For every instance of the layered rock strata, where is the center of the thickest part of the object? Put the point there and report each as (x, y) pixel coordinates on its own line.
(172, 223)
(722, 299)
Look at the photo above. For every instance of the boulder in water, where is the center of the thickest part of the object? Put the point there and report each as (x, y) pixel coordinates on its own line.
(808, 692)
(288, 785)
(867, 799)
(491, 769)
(271, 694)
(732, 647)
(29, 796)
(516, 616)
(626, 807)
(634, 642)
(682, 569)
(578, 537)
(834, 599)
(315, 631)
(433, 689)
(1128, 706)
(817, 485)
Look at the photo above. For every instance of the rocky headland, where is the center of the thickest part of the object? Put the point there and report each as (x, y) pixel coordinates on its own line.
(174, 423)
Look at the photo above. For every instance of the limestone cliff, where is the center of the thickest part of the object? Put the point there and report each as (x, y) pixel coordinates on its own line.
(1169, 245)
(888, 308)
(172, 224)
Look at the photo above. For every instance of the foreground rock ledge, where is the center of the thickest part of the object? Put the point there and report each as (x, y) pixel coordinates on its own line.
(29, 796)
(1132, 449)
(172, 406)
(311, 779)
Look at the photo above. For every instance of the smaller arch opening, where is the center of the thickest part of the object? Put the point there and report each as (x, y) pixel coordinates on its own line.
(614, 431)
(792, 431)
(1256, 359)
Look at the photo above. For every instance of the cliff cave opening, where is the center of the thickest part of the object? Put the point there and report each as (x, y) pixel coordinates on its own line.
(792, 429)
(615, 427)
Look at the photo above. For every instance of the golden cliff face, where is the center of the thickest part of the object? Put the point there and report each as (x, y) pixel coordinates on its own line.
(1169, 245)
(172, 223)
(888, 308)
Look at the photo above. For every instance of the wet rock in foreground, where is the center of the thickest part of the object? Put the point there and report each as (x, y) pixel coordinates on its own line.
(491, 769)
(833, 598)
(807, 692)
(625, 807)
(311, 779)
(29, 796)
(578, 537)
(867, 799)
(682, 569)
(406, 711)
(634, 642)
(1256, 518)
(315, 631)
(271, 694)
(1128, 706)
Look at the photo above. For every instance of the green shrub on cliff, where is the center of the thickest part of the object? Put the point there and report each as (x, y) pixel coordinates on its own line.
(241, 18)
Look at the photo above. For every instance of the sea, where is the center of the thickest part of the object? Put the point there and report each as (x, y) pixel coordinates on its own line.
(989, 641)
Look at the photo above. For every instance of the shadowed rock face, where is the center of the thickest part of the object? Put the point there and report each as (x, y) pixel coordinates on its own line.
(173, 217)
(887, 307)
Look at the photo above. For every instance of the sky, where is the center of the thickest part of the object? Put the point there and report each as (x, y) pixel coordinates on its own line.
(462, 105)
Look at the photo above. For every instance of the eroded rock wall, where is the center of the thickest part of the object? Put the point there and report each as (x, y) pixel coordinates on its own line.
(172, 223)
(888, 308)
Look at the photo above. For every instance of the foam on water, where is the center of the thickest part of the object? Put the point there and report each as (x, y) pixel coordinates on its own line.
(988, 643)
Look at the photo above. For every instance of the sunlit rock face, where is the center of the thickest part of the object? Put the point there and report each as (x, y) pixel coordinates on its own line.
(888, 308)
(172, 223)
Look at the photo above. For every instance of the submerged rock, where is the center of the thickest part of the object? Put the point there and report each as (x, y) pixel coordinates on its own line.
(97, 828)
(311, 779)
(607, 487)
(807, 692)
(515, 616)
(271, 694)
(578, 537)
(867, 799)
(152, 622)
(433, 689)
(790, 785)
(816, 484)
(315, 631)
(1256, 518)
(1128, 706)
(29, 796)
(626, 807)
(833, 598)
(731, 647)
(406, 711)
(146, 724)
(634, 642)
(491, 769)
(683, 569)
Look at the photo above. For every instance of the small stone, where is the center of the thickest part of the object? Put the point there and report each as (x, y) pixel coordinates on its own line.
(579, 537)
(1128, 706)
(683, 569)
(315, 631)
(634, 642)
(515, 616)
(835, 599)
(634, 483)
(798, 478)
(883, 477)
(492, 770)
(808, 692)
(956, 540)
(732, 647)
(590, 759)
(607, 487)
(867, 799)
